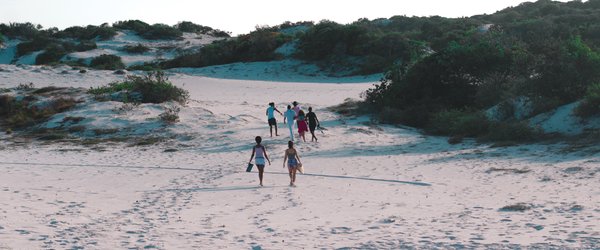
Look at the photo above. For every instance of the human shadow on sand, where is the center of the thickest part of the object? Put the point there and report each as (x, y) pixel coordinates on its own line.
(359, 178)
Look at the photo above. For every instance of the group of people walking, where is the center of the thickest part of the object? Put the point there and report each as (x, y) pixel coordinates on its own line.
(304, 123)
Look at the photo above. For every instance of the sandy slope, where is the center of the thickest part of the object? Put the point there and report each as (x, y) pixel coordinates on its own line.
(368, 185)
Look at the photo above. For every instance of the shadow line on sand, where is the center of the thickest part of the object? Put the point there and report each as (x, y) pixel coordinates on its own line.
(218, 189)
(99, 166)
(359, 178)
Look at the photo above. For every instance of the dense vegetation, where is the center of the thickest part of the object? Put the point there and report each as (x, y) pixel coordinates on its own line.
(107, 62)
(56, 43)
(154, 87)
(259, 45)
(136, 49)
(20, 112)
(545, 52)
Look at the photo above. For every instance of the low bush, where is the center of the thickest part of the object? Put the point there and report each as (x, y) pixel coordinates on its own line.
(52, 54)
(136, 49)
(36, 44)
(152, 32)
(25, 86)
(19, 113)
(510, 131)
(153, 88)
(161, 32)
(85, 45)
(24, 31)
(144, 67)
(259, 45)
(458, 123)
(107, 62)
(590, 105)
(103, 32)
(171, 114)
(190, 27)
(6, 104)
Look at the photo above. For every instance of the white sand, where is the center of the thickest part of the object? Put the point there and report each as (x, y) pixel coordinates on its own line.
(368, 186)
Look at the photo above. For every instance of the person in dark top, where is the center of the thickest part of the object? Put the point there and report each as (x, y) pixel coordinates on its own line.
(313, 123)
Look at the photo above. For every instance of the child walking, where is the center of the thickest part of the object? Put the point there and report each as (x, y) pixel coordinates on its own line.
(293, 160)
(261, 154)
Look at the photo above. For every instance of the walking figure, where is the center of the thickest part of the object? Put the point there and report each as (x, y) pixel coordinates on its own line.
(313, 123)
(289, 116)
(293, 160)
(271, 118)
(261, 154)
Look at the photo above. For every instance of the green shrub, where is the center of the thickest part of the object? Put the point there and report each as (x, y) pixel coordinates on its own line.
(24, 31)
(171, 114)
(145, 67)
(19, 113)
(103, 32)
(259, 45)
(152, 32)
(510, 131)
(590, 105)
(161, 32)
(458, 123)
(134, 25)
(85, 45)
(107, 62)
(153, 88)
(6, 104)
(136, 49)
(52, 54)
(36, 44)
(190, 27)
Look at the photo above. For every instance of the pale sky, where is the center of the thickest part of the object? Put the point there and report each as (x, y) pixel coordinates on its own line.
(237, 16)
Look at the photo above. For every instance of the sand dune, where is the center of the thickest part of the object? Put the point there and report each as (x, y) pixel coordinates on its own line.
(368, 186)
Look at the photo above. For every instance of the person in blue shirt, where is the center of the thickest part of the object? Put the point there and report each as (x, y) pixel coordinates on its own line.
(271, 117)
(290, 115)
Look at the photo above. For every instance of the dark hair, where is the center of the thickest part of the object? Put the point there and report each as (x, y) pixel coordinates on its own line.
(301, 112)
(271, 104)
(258, 139)
(309, 109)
(295, 103)
(289, 106)
(290, 144)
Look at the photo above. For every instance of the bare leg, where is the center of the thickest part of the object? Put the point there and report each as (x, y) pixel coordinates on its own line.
(291, 176)
(276, 134)
(261, 170)
(291, 132)
(271, 129)
(294, 177)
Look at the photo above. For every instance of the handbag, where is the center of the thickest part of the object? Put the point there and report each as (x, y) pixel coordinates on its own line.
(300, 168)
(249, 168)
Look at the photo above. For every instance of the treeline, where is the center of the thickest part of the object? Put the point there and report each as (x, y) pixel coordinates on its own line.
(525, 60)
(56, 43)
